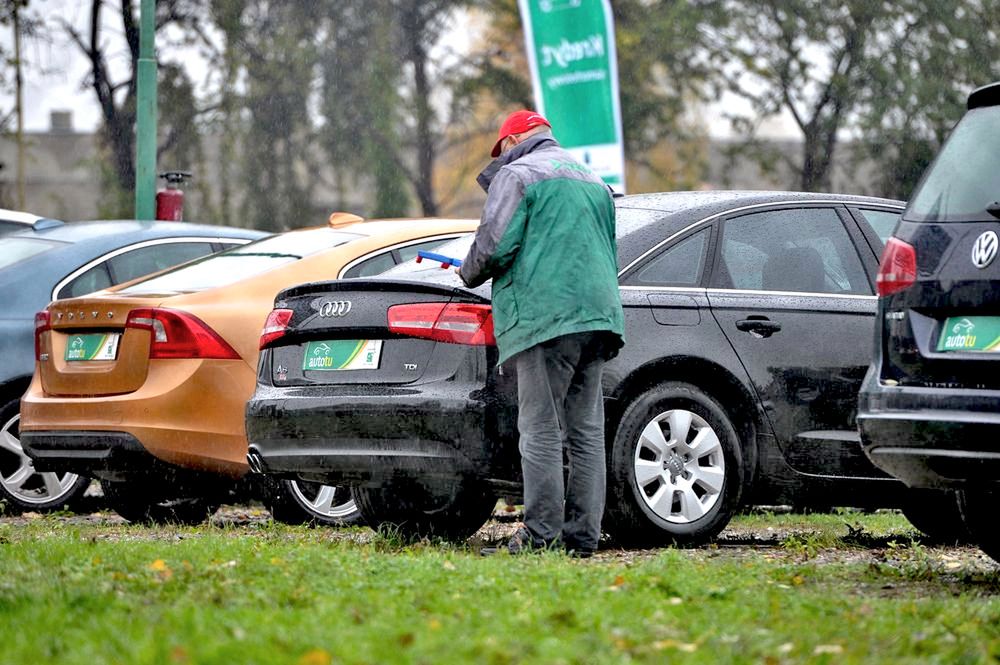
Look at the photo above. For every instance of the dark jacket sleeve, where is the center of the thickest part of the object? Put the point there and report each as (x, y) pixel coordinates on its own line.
(503, 219)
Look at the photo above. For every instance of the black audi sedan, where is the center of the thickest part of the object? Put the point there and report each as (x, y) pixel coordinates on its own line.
(748, 322)
(930, 405)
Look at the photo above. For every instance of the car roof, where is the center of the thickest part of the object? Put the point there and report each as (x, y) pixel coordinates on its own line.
(681, 209)
(122, 232)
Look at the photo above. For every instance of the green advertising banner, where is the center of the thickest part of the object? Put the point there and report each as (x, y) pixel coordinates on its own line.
(574, 73)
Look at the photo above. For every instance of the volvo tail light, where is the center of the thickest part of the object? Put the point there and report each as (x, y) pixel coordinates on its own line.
(276, 326)
(42, 323)
(176, 334)
(455, 323)
(898, 268)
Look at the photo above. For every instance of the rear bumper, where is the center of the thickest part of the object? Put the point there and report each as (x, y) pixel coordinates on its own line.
(188, 413)
(97, 454)
(932, 437)
(368, 438)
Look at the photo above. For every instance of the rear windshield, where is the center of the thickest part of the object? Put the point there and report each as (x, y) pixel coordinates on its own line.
(965, 177)
(13, 250)
(242, 262)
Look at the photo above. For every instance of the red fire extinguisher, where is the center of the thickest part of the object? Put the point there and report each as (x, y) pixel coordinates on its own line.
(170, 201)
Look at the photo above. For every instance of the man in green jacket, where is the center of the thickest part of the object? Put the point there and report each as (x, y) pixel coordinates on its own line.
(547, 239)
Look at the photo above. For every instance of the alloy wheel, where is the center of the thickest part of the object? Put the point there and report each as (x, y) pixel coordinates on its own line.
(327, 501)
(679, 466)
(19, 478)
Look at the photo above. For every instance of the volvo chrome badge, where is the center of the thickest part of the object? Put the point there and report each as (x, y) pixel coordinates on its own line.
(335, 308)
(984, 250)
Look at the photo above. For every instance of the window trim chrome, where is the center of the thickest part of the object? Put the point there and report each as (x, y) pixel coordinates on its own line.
(140, 245)
(452, 235)
(753, 292)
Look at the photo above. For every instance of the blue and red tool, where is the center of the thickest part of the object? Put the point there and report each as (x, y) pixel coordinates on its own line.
(446, 261)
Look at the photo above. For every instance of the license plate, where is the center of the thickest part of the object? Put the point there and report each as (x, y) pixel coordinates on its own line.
(341, 354)
(92, 346)
(970, 333)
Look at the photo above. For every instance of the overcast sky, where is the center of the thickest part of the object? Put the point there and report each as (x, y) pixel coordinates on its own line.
(56, 72)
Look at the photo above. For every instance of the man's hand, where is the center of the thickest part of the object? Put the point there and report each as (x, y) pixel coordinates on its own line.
(458, 270)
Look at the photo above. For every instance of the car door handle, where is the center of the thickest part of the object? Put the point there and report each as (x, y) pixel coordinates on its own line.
(758, 327)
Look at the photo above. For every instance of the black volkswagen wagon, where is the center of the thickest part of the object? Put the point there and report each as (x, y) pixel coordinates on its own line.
(748, 319)
(930, 407)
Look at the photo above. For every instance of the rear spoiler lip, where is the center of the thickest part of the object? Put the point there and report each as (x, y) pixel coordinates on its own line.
(987, 95)
(379, 285)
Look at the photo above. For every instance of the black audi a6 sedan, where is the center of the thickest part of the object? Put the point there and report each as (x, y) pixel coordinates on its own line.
(930, 406)
(748, 321)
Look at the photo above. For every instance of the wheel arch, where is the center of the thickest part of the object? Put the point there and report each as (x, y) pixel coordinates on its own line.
(711, 378)
(14, 388)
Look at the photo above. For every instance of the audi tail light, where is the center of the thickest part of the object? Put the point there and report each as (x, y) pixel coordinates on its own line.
(455, 323)
(898, 268)
(42, 323)
(176, 334)
(276, 326)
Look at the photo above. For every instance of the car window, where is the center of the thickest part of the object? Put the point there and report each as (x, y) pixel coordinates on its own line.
(373, 266)
(884, 222)
(680, 265)
(409, 252)
(10, 227)
(965, 176)
(154, 258)
(242, 262)
(803, 250)
(13, 250)
(94, 279)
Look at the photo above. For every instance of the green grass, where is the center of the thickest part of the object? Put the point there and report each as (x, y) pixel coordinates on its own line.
(274, 594)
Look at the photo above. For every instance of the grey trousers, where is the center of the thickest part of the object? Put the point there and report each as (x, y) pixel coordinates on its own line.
(560, 405)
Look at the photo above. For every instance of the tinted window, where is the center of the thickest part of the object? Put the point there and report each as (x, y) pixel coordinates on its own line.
(680, 265)
(803, 250)
(154, 258)
(243, 262)
(95, 279)
(10, 227)
(882, 221)
(13, 250)
(965, 177)
(373, 266)
(409, 252)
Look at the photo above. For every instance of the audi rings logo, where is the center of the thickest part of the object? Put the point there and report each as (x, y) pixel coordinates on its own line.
(335, 308)
(984, 250)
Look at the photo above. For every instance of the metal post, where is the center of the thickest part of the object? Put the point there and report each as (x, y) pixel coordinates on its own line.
(19, 103)
(145, 130)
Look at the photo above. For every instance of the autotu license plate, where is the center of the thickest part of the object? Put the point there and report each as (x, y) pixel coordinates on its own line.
(342, 354)
(970, 333)
(92, 346)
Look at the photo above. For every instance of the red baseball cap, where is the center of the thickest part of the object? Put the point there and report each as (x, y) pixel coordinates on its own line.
(517, 122)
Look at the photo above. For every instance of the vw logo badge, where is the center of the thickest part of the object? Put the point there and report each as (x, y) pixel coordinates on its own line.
(984, 250)
(335, 308)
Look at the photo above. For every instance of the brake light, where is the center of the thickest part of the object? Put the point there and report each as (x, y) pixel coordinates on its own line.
(276, 326)
(42, 323)
(176, 334)
(898, 268)
(455, 323)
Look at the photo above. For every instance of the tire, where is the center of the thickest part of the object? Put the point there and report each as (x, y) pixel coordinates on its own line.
(937, 515)
(452, 511)
(302, 502)
(686, 496)
(978, 507)
(23, 488)
(137, 504)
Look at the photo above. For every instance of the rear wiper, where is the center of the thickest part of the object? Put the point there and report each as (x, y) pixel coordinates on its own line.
(994, 209)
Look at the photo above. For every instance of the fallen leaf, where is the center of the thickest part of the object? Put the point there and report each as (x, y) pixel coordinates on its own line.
(675, 600)
(798, 580)
(686, 647)
(158, 565)
(786, 648)
(434, 624)
(828, 648)
(316, 657)
(406, 639)
(179, 655)
(448, 565)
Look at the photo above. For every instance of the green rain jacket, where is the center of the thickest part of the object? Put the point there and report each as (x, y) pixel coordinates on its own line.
(547, 239)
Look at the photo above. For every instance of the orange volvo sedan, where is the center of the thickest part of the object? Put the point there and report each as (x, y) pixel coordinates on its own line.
(144, 385)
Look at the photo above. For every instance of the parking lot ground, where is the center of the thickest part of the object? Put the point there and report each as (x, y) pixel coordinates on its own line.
(839, 587)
